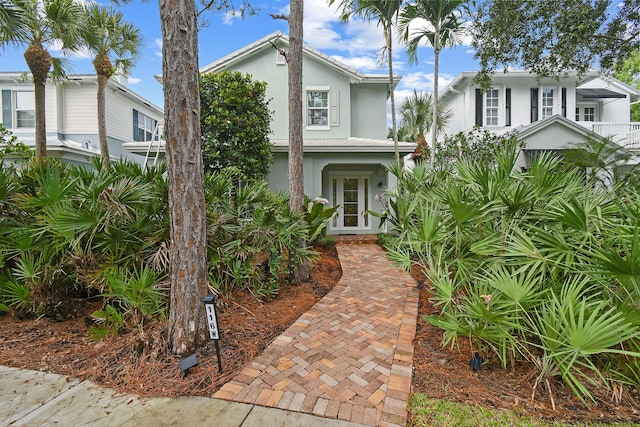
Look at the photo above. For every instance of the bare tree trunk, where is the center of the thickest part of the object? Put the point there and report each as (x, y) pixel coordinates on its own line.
(185, 174)
(394, 126)
(296, 177)
(434, 120)
(102, 121)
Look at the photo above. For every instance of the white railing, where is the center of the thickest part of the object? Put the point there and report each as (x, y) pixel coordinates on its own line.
(625, 134)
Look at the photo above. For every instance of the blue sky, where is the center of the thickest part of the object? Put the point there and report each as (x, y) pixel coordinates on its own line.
(356, 44)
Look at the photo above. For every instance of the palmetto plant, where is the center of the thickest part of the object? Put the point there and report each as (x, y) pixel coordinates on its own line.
(536, 265)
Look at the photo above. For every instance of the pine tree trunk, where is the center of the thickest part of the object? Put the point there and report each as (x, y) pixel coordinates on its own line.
(102, 121)
(394, 125)
(185, 174)
(296, 178)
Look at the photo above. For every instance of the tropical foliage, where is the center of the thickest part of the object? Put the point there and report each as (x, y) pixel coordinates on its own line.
(69, 232)
(114, 44)
(235, 124)
(537, 265)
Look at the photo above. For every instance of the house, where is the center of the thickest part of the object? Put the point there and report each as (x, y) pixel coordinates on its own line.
(72, 116)
(547, 114)
(346, 151)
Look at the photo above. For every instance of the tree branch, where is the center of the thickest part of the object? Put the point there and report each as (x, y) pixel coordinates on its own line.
(283, 17)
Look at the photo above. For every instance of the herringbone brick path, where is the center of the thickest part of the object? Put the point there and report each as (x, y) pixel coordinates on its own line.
(350, 356)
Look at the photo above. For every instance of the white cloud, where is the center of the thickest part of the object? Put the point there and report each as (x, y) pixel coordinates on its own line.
(422, 81)
(157, 43)
(133, 80)
(360, 63)
(231, 16)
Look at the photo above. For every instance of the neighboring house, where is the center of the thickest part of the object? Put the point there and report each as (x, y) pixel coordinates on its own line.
(547, 114)
(346, 151)
(72, 116)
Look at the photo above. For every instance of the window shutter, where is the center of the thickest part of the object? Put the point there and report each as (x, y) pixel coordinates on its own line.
(507, 107)
(6, 109)
(135, 125)
(534, 104)
(479, 108)
(564, 102)
(334, 108)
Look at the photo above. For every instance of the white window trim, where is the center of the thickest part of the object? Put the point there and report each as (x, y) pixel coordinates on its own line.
(306, 107)
(280, 59)
(501, 107)
(593, 105)
(15, 110)
(556, 106)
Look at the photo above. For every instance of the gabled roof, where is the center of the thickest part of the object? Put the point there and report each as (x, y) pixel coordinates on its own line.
(277, 38)
(523, 132)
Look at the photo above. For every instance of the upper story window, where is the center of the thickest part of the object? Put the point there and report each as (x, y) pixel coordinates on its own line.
(144, 127)
(18, 109)
(547, 102)
(25, 109)
(491, 107)
(318, 108)
(586, 114)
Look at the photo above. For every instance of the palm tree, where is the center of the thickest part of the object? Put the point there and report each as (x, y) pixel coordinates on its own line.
(443, 29)
(36, 24)
(417, 118)
(386, 13)
(114, 44)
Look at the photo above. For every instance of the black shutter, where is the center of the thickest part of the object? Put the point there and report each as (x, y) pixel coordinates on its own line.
(564, 102)
(7, 117)
(507, 107)
(479, 108)
(135, 125)
(534, 104)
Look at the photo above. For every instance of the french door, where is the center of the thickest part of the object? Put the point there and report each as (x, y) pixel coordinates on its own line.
(351, 193)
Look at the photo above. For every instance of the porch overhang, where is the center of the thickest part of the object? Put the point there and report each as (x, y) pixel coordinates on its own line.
(348, 145)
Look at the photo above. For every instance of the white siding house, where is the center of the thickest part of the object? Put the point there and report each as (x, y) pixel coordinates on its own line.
(547, 114)
(72, 116)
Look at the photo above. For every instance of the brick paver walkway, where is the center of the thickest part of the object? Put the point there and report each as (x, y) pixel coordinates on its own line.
(350, 356)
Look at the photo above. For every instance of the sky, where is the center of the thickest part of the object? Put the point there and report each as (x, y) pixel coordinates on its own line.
(356, 43)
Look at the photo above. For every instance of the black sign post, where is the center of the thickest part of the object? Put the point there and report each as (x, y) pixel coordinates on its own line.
(212, 323)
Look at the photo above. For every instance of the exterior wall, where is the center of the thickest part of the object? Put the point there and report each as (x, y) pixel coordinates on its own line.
(318, 168)
(368, 111)
(461, 101)
(613, 110)
(72, 117)
(263, 66)
(52, 106)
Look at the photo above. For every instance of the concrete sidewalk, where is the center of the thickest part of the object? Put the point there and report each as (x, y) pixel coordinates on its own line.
(33, 398)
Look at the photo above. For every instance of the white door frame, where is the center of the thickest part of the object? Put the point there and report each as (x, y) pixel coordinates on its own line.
(336, 185)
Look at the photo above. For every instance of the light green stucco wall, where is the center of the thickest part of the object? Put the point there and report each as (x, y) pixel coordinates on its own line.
(366, 101)
(319, 166)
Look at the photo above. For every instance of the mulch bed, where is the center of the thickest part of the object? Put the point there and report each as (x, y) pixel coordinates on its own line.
(144, 366)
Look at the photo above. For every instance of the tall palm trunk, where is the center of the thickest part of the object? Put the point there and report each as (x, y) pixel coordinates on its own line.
(39, 62)
(185, 175)
(434, 121)
(103, 67)
(394, 126)
(296, 152)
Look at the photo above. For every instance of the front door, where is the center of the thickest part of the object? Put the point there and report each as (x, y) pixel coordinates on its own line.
(351, 193)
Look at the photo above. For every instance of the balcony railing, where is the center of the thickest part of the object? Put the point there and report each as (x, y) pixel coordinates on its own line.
(625, 134)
